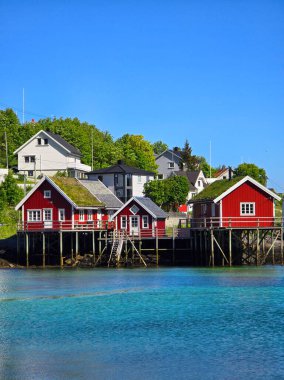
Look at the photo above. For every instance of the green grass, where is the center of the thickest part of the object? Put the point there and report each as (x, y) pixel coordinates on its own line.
(77, 192)
(9, 218)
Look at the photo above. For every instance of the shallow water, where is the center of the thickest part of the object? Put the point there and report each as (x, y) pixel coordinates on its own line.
(176, 323)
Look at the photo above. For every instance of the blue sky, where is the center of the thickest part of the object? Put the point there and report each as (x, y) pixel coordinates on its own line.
(200, 70)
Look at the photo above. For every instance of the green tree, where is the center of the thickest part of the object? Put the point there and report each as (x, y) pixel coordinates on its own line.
(205, 167)
(137, 152)
(10, 191)
(159, 147)
(9, 132)
(168, 193)
(253, 171)
(190, 162)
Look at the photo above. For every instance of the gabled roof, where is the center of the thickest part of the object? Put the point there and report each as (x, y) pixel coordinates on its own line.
(176, 153)
(55, 137)
(219, 189)
(148, 205)
(101, 192)
(192, 177)
(70, 188)
(122, 168)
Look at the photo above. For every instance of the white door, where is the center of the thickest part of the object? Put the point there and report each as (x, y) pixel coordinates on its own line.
(134, 225)
(47, 218)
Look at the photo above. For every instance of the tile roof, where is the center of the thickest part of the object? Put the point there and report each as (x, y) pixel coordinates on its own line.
(100, 191)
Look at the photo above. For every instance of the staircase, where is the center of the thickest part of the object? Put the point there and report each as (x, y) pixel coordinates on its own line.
(116, 249)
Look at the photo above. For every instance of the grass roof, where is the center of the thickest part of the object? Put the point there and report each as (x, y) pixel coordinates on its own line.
(216, 188)
(77, 192)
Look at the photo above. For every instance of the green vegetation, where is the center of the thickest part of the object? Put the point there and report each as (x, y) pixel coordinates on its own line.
(159, 147)
(76, 192)
(217, 188)
(133, 149)
(253, 171)
(168, 193)
(10, 196)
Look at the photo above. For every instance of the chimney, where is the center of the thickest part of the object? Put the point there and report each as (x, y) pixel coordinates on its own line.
(120, 162)
(230, 173)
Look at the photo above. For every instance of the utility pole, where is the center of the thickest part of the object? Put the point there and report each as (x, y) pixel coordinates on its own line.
(92, 149)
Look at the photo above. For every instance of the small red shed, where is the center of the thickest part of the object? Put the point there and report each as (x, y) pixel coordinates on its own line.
(65, 203)
(141, 216)
(239, 202)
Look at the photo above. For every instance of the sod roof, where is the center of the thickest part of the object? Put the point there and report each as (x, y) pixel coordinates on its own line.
(216, 188)
(77, 192)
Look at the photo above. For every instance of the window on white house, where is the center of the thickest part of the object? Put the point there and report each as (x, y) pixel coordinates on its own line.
(30, 173)
(145, 221)
(90, 215)
(27, 159)
(39, 141)
(34, 215)
(81, 215)
(45, 141)
(247, 208)
(32, 158)
(123, 222)
(199, 183)
(171, 165)
(134, 209)
(61, 214)
(47, 194)
(160, 176)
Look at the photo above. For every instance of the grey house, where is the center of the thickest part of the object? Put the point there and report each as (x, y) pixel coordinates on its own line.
(168, 162)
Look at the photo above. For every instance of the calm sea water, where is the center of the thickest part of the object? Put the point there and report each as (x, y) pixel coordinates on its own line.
(171, 323)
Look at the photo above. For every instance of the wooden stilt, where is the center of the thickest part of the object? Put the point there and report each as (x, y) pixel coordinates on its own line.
(27, 250)
(43, 250)
(281, 247)
(93, 246)
(173, 247)
(157, 247)
(230, 247)
(273, 250)
(257, 247)
(18, 247)
(76, 243)
(61, 248)
(212, 248)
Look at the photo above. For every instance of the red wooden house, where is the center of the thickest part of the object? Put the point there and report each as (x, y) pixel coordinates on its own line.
(68, 204)
(239, 202)
(140, 216)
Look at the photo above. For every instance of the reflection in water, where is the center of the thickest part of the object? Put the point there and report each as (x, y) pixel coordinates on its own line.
(135, 324)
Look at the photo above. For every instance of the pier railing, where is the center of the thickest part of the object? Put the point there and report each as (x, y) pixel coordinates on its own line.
(235, 222)
(67, 225)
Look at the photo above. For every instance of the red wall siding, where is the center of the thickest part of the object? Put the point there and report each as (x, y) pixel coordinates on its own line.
(248, 192)
(37, 202)
(144, 231)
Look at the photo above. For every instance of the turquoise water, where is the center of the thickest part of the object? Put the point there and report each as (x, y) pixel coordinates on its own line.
(175, 323)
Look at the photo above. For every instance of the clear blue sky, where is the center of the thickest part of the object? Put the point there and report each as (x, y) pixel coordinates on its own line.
(203, 70)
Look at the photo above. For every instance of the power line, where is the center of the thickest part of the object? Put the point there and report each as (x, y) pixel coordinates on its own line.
(23, 112)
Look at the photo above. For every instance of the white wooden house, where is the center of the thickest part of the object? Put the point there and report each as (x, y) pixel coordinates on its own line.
(47, 153)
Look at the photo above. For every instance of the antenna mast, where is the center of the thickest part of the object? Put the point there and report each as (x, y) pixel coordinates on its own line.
(23, 105)
(210, 158)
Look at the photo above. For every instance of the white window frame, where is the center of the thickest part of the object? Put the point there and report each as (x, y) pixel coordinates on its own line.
(171, 165)
(145, 218)
(39, 141)
(47, 194)
(31, 219)
(43, 214)
(245, 208)
(60, 218)
(123, 222)
(160, 176)
(81, 215)
(90, 215)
